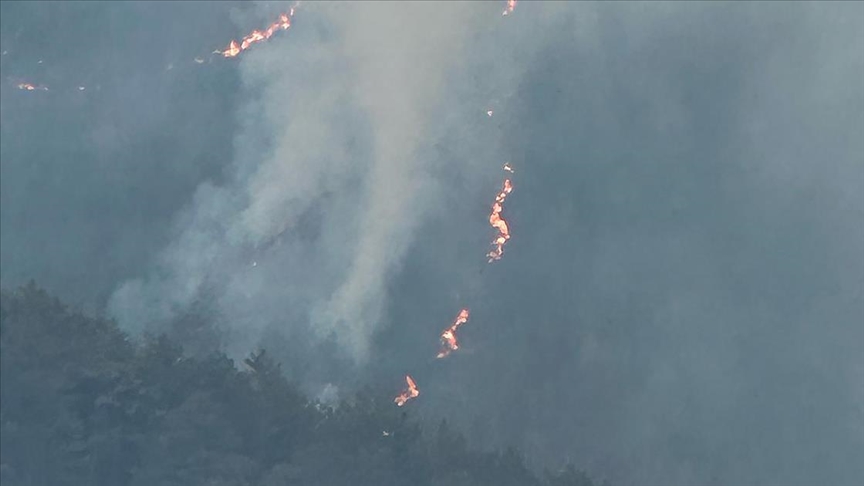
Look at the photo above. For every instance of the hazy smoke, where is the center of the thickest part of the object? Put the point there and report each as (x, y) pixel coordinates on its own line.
(329, 186)
(681, 302)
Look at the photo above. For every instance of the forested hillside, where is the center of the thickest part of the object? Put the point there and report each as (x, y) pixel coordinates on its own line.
(82, 405)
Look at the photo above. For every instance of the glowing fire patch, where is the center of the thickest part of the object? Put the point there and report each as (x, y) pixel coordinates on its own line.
(32, 87)
(511, 6)
(449, 343)
(411, 392)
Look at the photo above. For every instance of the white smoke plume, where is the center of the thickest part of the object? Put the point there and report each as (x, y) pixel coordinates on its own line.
(330, 183)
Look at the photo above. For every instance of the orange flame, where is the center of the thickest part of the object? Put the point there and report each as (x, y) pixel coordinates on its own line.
(411, 392)
(511, 5)
(234, 48)
(498, 222)
(448, 337)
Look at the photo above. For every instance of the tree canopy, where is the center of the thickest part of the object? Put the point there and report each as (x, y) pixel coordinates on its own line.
(80, 404)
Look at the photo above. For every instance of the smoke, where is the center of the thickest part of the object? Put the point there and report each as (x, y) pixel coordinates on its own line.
(331, 179)
(141, 136)
(681, 301)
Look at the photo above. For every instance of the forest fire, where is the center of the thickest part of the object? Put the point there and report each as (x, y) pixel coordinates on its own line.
(449, 343)
(411, 392)
(497, 222)
(235, 48)
(448, 337)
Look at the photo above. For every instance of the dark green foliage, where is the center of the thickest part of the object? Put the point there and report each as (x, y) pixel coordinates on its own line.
(81, 405)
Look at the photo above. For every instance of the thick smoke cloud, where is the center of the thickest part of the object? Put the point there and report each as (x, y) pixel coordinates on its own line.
(331, 182)
(683, 297)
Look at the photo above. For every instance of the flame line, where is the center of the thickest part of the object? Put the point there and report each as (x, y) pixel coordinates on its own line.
(32, 87)
(498, 222)
(235, 48)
